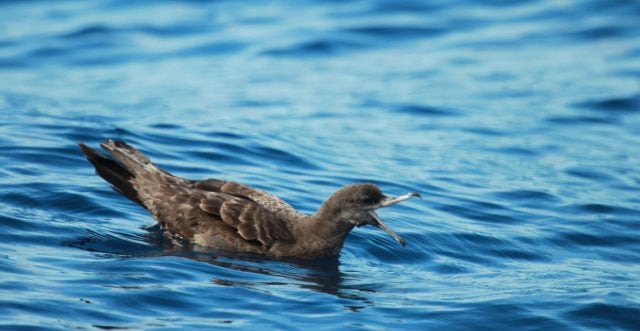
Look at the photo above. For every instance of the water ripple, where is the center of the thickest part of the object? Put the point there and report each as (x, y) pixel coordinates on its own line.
(618, 105)
(396, 32)
(315, 48)
(603, 315)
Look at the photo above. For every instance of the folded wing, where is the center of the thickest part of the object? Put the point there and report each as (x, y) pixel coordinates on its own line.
(252, 221)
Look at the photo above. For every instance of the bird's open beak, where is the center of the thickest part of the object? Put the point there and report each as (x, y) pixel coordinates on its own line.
(386, 203)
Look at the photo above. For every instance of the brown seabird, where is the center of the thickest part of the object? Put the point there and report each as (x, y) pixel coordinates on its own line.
(233, 217)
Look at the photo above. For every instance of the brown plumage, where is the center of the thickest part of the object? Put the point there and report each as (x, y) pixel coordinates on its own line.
(233, 217)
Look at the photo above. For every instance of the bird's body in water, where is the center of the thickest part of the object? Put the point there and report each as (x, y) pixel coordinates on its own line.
(233, 217)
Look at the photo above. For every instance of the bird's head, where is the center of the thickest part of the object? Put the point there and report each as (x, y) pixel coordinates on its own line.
(356, 205)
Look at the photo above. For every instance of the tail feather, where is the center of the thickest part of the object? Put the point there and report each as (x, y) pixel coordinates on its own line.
(128, 156)
(113, 172)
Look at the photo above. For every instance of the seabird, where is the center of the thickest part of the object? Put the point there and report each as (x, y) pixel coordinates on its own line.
(233, 217)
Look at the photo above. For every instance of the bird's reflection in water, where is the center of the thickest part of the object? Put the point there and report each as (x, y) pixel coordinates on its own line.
(322, 276)
(318, 275)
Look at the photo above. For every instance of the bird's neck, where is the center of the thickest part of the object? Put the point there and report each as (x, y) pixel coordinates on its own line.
(327, 230)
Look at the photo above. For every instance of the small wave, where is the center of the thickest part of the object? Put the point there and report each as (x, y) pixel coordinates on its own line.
(599, 208)
(175, 30)
(495, 249)
(386, 7)
(284, 156)
(395, 32)
(589, 173)
(602, 32)
(520, 151)
(621, 105)
(449, 269)
(225, 158)
(48, 52)
(315, 48)
(208, 49)
(90, 31)
(424, 110)
(475, 211)
(512, 316)
(606, 316)
(166, 126)
(8, 222)
(58, 202)
(577, 120)
(599, 240)
(484, 131)
(531, 197)
(115, 243)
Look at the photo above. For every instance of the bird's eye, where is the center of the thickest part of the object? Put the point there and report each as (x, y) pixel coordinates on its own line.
(365, 200)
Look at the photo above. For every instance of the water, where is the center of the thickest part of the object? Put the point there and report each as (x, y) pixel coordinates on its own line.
(519, 122)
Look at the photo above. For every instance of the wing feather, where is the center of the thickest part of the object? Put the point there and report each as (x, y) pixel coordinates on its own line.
(267, 201)
(251, 220)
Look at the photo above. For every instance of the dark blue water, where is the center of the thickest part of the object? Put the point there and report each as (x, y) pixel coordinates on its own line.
(518, 121)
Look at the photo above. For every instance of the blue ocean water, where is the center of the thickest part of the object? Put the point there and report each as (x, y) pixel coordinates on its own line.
(518, 121)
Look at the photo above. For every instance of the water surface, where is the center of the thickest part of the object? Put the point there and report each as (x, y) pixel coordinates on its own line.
(518, 121)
